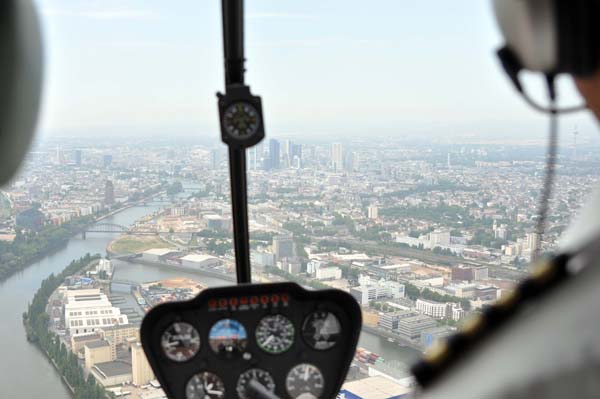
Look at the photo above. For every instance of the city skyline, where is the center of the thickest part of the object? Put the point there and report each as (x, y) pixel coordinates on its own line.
(145, 69)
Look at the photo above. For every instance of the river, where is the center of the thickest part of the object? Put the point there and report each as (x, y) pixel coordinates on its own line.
(24, 370)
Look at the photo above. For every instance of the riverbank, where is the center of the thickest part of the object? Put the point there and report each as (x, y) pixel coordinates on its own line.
(175, 268)
(37, 327)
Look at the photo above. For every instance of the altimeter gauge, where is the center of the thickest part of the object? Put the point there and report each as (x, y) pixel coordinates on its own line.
(180, 342)
(275, 334)
(321, 330)
(305, 381)
(205, 385)
(259, 375)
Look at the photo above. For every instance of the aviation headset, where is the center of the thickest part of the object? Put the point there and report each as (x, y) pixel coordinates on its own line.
(20, 81)
(549, 36)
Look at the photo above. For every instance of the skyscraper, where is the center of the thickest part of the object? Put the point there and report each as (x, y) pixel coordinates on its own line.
(109, 193)
(107, 160)
(77, 156)
(337, 156)
(274, 154)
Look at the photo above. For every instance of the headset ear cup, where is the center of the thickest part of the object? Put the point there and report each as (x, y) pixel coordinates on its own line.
(578, 50)
(20, 82)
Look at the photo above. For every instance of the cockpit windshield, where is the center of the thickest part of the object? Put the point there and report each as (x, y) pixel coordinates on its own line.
(397, 166)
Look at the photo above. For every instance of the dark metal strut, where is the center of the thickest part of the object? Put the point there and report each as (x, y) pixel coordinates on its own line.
(233, 43)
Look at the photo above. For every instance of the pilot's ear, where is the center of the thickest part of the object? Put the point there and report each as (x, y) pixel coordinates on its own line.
(20, 81)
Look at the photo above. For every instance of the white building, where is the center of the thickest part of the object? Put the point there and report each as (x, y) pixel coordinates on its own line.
(312, 266)
(373, 212)
(369, 290)
(439, 238)
(328, 273)
(199, 261)
(337, 157)
(434, 309)
(88, 310)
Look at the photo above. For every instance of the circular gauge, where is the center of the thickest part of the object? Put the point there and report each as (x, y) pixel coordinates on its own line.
(205, 385)
(259, 375)
(227, 336)
(305, 381)
(180, 342)
(321, 330)
(241, 120)
(275, 334)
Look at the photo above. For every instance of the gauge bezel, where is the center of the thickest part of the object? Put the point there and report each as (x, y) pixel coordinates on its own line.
(237, 351)
(270, 376)
(197, 333)
(234, 94)
(290, 324)
(202, 372)
(294, 368)
(304, 324)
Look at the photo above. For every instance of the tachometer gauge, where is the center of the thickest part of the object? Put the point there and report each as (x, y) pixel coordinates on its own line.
(205, 385)
(261, 376)
(227, 336)
(275, 334)
(321, 330)
(305, 381)
(180, 342)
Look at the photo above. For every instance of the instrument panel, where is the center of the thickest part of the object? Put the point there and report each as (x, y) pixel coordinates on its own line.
(231, 342)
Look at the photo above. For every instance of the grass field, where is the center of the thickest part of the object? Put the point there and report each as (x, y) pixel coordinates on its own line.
(132, 244)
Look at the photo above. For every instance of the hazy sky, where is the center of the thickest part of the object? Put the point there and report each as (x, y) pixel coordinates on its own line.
(150, 67)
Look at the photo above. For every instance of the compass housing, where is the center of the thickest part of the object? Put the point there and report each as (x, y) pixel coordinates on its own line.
(238, 100)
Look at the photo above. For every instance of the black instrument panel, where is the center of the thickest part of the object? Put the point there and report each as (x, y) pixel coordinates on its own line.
(294, 342)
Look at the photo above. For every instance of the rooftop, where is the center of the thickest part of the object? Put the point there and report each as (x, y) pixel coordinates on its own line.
(97, 344)
(377, 387)
(112, 369)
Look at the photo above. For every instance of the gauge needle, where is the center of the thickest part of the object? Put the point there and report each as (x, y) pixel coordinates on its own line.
(269, 339)
(305, 373)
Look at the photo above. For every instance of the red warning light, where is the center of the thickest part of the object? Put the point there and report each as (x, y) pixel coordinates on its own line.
(233, 301)
(244, 300)
(222, 302)
(274, 298)
(285, 297)
(212, 303)
(264, 299)
(254, 300)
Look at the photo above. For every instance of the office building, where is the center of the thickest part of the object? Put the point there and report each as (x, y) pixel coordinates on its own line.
(274, 154)
(86, 311)
(96, 352)
(77, 157)
(140, 368)
(373, 212)
(107, 160)
(390, 320)
(437, 310)
(411, 327)
(328, 273)
(369, 290)
(109, 193)
(337, 157)
(283, 247)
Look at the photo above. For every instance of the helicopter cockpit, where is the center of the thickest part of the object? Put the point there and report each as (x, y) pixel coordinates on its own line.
(281, 340)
